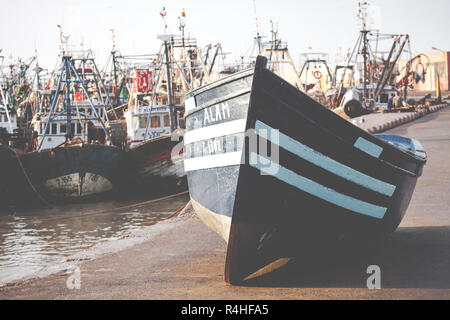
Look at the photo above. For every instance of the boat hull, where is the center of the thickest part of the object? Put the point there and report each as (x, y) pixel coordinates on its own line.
(14, 187)
(279, 176)
(75, 172)
(157, 165)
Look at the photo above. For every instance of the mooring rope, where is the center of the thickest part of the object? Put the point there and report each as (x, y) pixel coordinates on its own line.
(104, 211)
(48, 204)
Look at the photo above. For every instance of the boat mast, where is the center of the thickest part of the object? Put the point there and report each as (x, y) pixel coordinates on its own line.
(363, 17)
(258, 36)
(67, 104)
(113, 54)
(165, 38)
(38, 85)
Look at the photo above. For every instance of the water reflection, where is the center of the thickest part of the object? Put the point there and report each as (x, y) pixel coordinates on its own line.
(34, 239)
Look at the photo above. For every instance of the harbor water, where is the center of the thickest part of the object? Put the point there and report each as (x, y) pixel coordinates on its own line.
(33, 240)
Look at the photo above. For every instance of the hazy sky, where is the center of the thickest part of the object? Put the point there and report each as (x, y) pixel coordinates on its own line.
(324, 25)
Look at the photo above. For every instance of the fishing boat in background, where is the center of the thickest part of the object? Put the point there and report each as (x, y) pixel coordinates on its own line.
(73, 157)
(155, 112)
(74, 172)
(279, 176)
(370, 71)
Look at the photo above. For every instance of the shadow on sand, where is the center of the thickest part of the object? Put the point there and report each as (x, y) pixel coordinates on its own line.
(410, 258)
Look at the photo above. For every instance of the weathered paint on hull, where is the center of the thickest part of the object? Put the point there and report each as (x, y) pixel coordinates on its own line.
(219, 223)
(74, 185)
(76, 171)
(158, 165)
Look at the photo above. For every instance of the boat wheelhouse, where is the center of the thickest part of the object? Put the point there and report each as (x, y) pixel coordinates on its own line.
(86, 126)
(144, 123)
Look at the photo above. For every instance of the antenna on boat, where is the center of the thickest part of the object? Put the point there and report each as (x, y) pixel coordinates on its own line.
(363, 16)
(258, 36)
(113, 40)
(163, 14)
(113, 54)
(182, 23)
(64, 39)
(37, 71)
(274, 41)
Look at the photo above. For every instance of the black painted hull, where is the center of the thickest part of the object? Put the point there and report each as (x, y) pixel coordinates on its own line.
(75, 172)
(157, 166)
(317, 182)
(14, 188)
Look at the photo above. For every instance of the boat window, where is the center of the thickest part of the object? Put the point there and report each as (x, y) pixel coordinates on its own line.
(166, 121)
(63, 128)
(143, 122)
(72, 128)
(164, 101)
(155, 121)
(79, 130)
(177, 101)
(54, 128)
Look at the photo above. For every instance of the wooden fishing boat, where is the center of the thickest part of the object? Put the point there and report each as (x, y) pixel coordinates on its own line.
(73, 157)
(278, 175)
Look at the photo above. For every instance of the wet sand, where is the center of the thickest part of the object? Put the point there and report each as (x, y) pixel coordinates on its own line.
(186, 261)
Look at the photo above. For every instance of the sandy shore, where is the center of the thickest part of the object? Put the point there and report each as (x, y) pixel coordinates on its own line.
(182, 259)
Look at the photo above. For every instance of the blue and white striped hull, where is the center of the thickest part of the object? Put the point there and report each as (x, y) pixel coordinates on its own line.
(277, 175)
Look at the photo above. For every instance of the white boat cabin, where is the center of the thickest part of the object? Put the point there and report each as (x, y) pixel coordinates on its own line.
(84, 107)
(56, 132)
(7, 120)
(137, 121)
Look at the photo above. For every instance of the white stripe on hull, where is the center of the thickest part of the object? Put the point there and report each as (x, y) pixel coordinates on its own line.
(218, 130)
(327, 163)
(319, 190)
(215, 161)
(287, 143)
